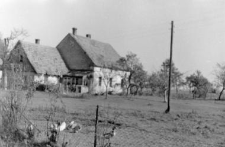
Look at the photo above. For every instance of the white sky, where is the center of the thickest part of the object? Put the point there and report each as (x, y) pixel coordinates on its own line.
(139, 26)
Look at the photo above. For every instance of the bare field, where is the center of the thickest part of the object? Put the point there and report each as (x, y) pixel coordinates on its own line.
(141, 120)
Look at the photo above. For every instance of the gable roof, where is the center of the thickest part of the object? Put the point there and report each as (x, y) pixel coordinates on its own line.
(101, 54)
(44, 59)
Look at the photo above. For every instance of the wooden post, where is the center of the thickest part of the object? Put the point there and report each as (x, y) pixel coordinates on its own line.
(96, 127)
(67, 82)
(171, 53)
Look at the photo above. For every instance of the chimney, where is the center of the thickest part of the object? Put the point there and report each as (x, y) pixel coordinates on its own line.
(88, 36)
(37, 41)
(74, 31)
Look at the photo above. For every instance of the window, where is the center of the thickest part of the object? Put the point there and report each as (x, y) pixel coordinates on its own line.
(21, 58)
(79, 80)
(100, 81)
(122, 83)
(110, 82)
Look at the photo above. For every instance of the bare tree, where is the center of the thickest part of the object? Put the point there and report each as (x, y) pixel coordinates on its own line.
(9, 42)
(14, 107)
(220, 77)
(107, 78)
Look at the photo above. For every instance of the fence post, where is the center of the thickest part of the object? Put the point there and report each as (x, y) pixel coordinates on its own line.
(96, 127)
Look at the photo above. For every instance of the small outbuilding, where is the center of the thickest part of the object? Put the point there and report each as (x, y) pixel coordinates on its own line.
(38, 63)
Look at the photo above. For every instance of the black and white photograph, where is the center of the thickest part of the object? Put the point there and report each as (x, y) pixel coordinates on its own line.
(112, 73)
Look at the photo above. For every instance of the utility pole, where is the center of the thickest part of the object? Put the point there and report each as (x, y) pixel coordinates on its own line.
(171, 53)
(96, 127)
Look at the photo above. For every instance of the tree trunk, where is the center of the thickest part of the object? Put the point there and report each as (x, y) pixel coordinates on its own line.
(141, 90)
(176, 88)
(128, 90)
(190, 87)
(106, 93)
(136, 92)
(4, 78)
(129, 80)
(221, 93)
(165, 96)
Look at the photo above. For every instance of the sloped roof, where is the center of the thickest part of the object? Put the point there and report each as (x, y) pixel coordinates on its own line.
(101, 54)
(44, 59)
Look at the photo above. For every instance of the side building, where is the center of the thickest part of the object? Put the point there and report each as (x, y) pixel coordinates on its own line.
(37, 62)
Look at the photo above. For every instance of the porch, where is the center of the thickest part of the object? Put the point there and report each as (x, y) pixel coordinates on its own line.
(77, 83)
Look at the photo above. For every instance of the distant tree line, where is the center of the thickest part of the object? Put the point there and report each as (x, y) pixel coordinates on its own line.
(156, 83)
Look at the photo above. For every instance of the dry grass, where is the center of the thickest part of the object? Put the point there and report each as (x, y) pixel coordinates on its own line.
(141, 121)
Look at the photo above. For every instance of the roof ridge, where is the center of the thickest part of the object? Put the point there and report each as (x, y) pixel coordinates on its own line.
(101, 54)
(89, 38)
(35, 44)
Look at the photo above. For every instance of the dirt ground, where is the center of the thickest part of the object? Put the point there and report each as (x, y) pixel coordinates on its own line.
(141, 120)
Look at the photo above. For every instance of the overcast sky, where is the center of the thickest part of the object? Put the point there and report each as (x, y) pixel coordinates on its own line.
(139, 26)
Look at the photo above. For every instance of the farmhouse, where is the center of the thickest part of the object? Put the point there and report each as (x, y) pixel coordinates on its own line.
(92, 65)
(79, 64)
(38, 63)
